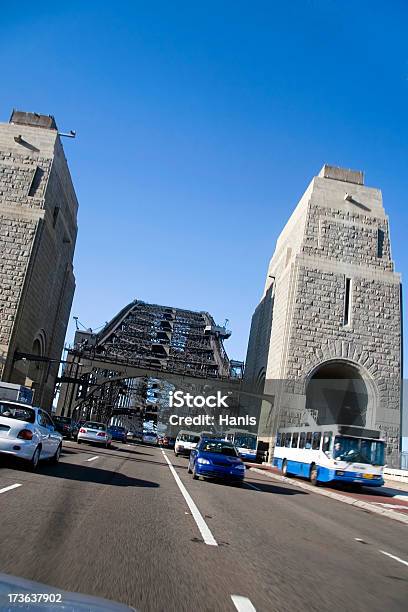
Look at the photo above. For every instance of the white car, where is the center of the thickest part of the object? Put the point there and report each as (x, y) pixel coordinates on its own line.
(149, 437)
(92, 431)
(185, 442)
(28, 433)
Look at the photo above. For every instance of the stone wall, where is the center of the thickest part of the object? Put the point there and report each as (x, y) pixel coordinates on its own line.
(338, 231)
(38, 210)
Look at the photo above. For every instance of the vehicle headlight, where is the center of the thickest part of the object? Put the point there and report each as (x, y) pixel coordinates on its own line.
(240, 466)
(203, 461)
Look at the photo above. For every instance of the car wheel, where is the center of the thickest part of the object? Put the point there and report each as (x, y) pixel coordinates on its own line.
(313, 475)
(176, 454)
(56, 457)
(285, 468)
(79, 441)
(33, 464)
(189, 471)
(195, 475)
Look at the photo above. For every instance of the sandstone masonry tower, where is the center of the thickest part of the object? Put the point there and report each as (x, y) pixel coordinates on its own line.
(326, 336)
(38, 228)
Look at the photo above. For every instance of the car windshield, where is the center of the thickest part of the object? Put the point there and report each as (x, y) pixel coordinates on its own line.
(244, 441)
(223, 448)
(116, 428)
(21, 413)
(92, 425)
(188, 438)
(358, 450)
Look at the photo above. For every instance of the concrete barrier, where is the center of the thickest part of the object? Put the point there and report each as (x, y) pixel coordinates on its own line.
(397, 475)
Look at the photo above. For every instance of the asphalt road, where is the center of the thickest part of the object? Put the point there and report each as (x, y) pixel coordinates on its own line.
(114, 523)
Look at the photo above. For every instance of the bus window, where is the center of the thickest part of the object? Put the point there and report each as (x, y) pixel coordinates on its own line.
(278, 439)
(288, 438)
(327, 438)
(295, 438)
(302, 439)
(308, 440)
(283, 439)
(316, 440)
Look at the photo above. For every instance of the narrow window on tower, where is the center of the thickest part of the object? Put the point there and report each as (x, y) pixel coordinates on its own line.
(347, 302)
(36, 181)
(380, 242)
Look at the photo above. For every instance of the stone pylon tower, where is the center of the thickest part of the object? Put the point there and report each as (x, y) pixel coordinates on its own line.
(38, 228)
(326, 336)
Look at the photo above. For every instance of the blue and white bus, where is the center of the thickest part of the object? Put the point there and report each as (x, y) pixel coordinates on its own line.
(343, 453)
(244, 442)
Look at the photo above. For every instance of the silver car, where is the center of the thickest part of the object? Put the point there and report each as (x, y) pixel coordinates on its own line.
(28, 433)
(92, 431)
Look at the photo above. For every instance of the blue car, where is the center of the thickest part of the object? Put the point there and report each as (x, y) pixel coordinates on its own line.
(213, 458)
(118, 433)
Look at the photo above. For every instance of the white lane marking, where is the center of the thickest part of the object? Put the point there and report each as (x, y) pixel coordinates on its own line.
(402, 497)
(358, 540)
(14, 486)
(394, 506)
(93, 458)
(248, 484)
(201, 524)
(393, 557)
(242, 604)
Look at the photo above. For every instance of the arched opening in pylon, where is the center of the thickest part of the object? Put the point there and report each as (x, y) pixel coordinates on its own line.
(338, 393)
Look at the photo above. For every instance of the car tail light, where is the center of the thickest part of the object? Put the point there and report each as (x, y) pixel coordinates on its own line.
(102, 434)
(25, 434)
(82, 430)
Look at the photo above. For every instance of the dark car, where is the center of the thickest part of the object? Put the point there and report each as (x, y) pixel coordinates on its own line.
(118, 433)
(65, 426)
(169, 442)
(213, 458)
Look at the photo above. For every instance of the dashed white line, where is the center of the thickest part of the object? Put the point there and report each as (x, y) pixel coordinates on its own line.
(9, 488)
(242, 604)
(93, 458)
(394, 557)
(248, 484)
(201, 524)
(392, 506)
(402, 497)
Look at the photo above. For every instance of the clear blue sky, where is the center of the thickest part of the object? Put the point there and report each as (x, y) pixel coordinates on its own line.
(199, 126)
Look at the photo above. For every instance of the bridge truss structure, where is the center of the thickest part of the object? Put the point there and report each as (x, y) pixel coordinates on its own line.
(146, 350)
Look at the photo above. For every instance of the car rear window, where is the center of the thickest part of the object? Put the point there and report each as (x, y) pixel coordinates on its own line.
(20, 413)
(219, 447)
(92, 425)
(188, 438)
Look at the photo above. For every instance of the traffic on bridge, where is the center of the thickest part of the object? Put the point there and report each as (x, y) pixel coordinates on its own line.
(130, 524)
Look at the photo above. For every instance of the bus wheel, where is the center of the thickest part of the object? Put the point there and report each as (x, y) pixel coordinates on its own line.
(285, 468)
(313, 475)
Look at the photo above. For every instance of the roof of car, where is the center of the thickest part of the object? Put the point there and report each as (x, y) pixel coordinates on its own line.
(189, 432)
(20, 404)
